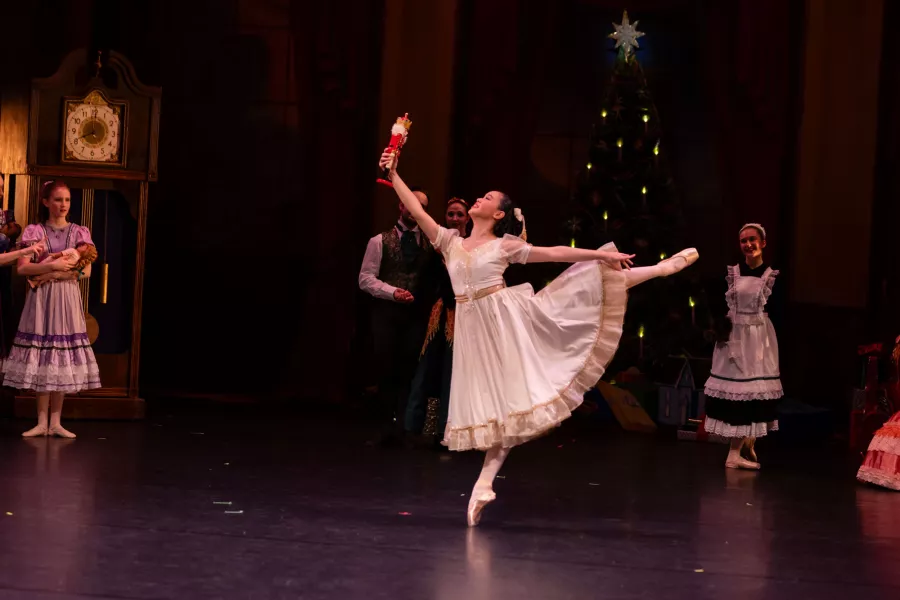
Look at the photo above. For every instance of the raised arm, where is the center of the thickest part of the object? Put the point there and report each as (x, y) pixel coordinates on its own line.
(428, 225)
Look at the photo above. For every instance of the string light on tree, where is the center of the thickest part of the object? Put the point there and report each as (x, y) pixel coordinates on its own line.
(641, 340)
(693, 311)
(574, 225)
(616, 188)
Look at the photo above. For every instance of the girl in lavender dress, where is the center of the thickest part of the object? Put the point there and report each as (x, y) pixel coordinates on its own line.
(523, 361)
(51, 354)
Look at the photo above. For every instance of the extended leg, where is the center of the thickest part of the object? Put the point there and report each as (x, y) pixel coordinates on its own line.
(666, 267)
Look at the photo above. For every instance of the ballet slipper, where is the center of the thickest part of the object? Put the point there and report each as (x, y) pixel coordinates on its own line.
(750, 448)
(678, 262)
(60, 431)
(36, 431)
(477, 503)
(741, 463)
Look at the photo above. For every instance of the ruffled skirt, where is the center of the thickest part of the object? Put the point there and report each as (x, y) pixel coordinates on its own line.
(523, 361)
(51, 351)
(882, 464)
(745, 384)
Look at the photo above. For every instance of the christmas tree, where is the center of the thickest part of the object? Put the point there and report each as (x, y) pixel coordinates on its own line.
(625, 195)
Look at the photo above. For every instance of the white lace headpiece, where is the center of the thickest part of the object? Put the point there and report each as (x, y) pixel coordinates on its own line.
(756, 226)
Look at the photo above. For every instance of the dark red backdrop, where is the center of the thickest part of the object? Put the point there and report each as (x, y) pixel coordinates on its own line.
(269, 131)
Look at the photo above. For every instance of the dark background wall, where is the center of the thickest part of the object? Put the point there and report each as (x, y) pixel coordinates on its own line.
(274, 112)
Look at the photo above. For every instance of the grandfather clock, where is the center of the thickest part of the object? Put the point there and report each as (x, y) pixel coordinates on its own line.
(94, 125)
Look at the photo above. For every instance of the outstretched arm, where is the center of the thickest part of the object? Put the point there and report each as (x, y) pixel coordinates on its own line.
(565, 254)
(428, 225)
(8, 258)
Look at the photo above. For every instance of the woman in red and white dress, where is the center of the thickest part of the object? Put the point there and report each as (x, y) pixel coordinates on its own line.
(882, 463)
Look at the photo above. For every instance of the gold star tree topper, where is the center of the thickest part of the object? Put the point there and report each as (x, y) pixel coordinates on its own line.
(626, 34)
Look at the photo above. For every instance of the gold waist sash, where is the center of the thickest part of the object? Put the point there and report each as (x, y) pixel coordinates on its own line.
(482, 293)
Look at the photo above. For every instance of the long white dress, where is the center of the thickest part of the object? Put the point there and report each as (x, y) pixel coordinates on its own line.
(523, 361)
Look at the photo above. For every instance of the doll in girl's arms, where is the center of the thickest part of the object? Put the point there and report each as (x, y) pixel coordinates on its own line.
(86, 254)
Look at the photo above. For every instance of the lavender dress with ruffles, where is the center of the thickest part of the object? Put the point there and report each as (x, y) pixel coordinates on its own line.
(51, 351)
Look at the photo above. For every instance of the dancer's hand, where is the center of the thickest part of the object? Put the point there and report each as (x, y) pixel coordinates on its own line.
(403, 296)
(34, 250)
(617, 260)
(386, 157)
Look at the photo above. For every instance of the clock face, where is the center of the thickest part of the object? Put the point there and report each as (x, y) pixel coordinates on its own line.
(93, 130)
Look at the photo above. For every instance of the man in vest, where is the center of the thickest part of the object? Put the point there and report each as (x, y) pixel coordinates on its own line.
(396, 271)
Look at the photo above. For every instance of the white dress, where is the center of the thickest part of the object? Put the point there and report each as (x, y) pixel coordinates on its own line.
(745, 370)
(523, 361)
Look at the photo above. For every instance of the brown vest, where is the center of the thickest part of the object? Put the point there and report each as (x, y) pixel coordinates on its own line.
(398, 272)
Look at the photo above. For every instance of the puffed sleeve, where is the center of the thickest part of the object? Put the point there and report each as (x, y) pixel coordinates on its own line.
(445, 240)
(32, 235)
(515, 249)
(82, 235)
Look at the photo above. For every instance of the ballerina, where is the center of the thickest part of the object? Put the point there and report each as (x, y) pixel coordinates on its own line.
(523, 361)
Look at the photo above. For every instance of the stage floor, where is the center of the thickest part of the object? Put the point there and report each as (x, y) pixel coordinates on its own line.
(189, 507)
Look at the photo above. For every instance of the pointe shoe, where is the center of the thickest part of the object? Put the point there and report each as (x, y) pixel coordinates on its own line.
(476, 506)
(678, 262)
(741, 463)
(36, 431)
(60, 431)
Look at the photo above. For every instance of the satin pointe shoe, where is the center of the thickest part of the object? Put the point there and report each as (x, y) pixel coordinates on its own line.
(679, 262)
(476, 505)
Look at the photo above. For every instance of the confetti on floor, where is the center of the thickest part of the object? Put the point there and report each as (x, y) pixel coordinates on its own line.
(222, 502)
(234, 512)
(699, 571)
(405, 514)
(9, 514)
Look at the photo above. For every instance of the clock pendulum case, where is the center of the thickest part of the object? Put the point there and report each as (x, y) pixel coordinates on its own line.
(96, 126)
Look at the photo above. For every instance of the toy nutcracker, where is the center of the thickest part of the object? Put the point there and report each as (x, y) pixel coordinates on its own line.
(398, 137)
